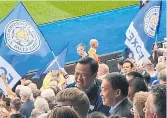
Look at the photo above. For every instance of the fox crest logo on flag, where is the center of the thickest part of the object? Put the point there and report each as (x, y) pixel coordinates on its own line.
(151, 20)
(21, 37)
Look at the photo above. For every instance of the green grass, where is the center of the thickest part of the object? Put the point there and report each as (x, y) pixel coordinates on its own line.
(49, 11)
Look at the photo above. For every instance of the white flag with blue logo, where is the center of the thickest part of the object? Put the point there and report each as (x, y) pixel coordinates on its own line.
(22, 46)
(140, 35)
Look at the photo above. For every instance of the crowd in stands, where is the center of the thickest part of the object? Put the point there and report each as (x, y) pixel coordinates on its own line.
(138, 90)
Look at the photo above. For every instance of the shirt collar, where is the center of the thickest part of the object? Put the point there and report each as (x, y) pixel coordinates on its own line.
(115, 106)
(88, 89)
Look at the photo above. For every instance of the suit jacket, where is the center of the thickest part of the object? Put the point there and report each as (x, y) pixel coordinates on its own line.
(95, 99)
(123, 109)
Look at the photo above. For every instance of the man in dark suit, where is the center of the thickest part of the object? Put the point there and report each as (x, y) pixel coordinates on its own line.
(85, 79)
(114, 94)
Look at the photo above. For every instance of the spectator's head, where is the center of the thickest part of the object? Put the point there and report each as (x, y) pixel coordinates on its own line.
(75, 98)
(155, 106)
(25, 93)
(114, 89)
(81, 49)
(161, 59)
(15, 104)
(63, 112)
(148, 66)
(36, 93)
(48, 94)
(53, 83)
(139, 103)
(41, 104)
(56, 89)
(35, 113)
(103, 70)
(7, 103)
(32, 86)
(139, 69)
(132, 75)
(160, 66)
(134, 63)
(162, 76)
(85, 72)
(135, 85)
(96, 115)
(17, 90)
(127, 66)
(94, 43)
(147, 78)
(27, 82)
(120, 64)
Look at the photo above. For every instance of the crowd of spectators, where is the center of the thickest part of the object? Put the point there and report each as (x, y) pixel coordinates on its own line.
(138, 90)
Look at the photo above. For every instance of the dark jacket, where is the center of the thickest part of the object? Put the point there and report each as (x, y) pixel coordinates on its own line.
(17, 116)
(27, 108)
(95, 99)
(123, 109)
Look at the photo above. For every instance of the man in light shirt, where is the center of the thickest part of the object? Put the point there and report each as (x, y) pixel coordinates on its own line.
(114, 94)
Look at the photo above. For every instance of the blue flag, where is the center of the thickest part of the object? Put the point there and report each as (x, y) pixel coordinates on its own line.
(57, 63)
(140, 35)
(143, 2)
(22, 46)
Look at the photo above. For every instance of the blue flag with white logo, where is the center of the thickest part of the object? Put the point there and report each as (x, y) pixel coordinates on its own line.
(22, 46)
(140, 35)
(57, 63)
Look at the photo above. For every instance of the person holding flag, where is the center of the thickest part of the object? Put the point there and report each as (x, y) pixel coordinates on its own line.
(22, 46)
(140, 35)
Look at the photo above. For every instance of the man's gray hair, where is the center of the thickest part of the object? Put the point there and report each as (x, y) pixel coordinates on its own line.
(41, 104)
(159, 102)
(26, 91)
(48, 94)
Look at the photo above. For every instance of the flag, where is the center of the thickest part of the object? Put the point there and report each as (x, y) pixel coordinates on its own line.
(57, 63)
(22, 46)
(140, 35)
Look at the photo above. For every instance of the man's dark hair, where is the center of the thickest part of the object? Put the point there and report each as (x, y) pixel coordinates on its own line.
(15, 103)
(135, 74)
(118, 81)
(159, 94)
(146, 77)
(138, 84)
(128, 61)
(88, 60)
(120, 61)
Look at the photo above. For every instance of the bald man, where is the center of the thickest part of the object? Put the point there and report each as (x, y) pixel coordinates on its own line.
(92, 51)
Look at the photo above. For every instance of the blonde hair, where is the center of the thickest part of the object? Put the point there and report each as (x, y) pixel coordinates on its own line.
(139, 102)
(77, 98)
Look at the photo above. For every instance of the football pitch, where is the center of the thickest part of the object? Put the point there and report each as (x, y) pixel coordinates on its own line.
(50, 11)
